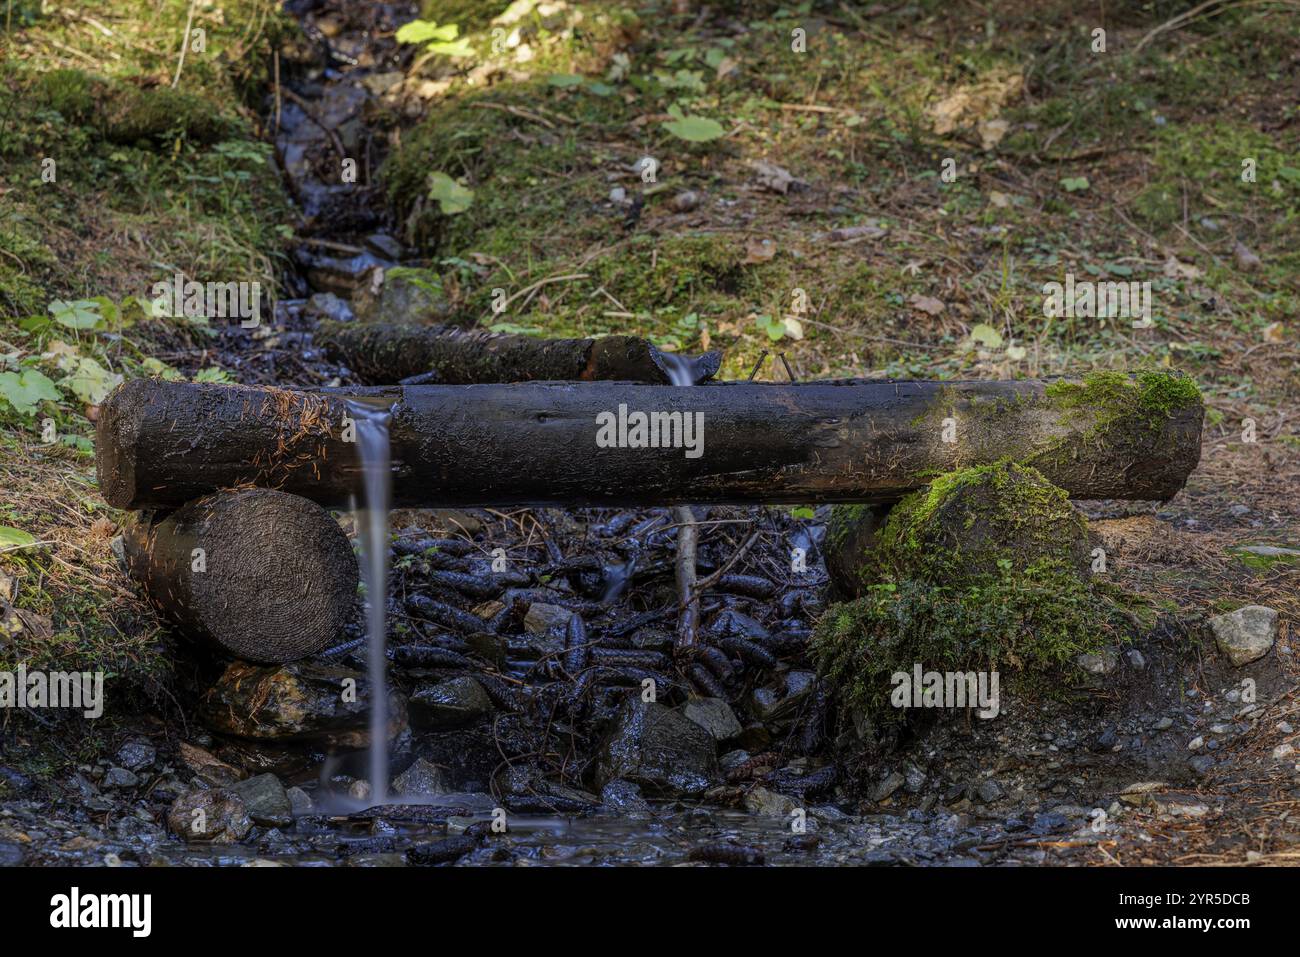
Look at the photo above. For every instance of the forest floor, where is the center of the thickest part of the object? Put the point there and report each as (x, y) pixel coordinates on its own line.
(887, 201)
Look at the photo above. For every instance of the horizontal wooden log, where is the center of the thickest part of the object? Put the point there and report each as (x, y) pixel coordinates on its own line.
(164, 443)
(259, 574)
(387, 353)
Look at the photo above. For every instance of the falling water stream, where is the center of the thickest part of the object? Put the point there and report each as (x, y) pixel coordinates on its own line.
(371, 423)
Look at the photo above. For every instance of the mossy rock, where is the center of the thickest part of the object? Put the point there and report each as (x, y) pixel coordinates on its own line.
(965, 525)
(124, 113)
(985, 569)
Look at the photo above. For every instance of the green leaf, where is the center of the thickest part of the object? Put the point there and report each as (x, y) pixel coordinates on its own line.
(459, 47)
(564, 80)
(90, 381)
(212, 374)
(1074, 184)
(80, 314)
(803, 511)
(986, 335)
(25, 389)
(15, 537)
(695, 129)
(452, 197)
(422, 31)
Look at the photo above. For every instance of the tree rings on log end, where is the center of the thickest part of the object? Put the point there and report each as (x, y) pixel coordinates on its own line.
(263, 575)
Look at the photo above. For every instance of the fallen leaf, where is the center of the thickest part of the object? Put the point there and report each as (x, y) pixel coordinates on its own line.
(759, 250)
(1173, 269)
(926, 304)
(1275, 332)
(985, 335)
(975, 102)
(1000, 200)
(992, 132)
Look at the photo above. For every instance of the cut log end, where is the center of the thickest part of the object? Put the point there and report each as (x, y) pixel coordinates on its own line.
(262, 575)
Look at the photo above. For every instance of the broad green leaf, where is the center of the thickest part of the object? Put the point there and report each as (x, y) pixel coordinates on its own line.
(452, 197)
(90, 381)
(1074, 184)
(459, 47)
(15, 537)
(695, 129)
(25, 389)
(80, 314)
(986, 335)
(212, 374)
(422, 31)
(565, 79)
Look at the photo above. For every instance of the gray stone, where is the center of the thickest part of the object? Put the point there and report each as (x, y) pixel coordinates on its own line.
(1103, 662)
(543, 619)
(1136, 659)
(715, 716)
(1246, 634)
(449, 704)
(266, 800)
(136, 754)
(11, 855)
(421, 778)
(733, 759)
(1164, 724)
(659, 749)
(300, 801)
(120, 778)
(888, 786)
(989, 791)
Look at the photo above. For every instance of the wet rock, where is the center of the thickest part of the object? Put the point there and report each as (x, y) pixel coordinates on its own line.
(299, 701)
(420, 779)
(13, 783)
(449, 704)
(659, 749)
(1246, 634)
(989, 791)
(442, 852)
(11, 855)
(385, 245)
(888, 786)
(731, 623)
(544, 619)
(770, 803)
(623, 796)
(209, 817)
(120, 778)
(326, 305)
(136, 754)
(206, 766)
(1176, 805)
(733, 759)
(300, 802)
(265, 798)
(715, 716)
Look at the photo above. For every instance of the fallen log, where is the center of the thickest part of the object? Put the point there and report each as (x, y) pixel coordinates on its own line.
(163, 443)
(260, 574)
(385, 353)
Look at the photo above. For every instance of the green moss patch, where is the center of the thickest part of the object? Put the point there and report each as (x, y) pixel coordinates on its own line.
(983, 570)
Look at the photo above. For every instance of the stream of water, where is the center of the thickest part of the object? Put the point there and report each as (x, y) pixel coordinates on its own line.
(371, 423)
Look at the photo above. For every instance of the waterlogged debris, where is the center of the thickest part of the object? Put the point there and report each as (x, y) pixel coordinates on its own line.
(449, 704)
(732, 855)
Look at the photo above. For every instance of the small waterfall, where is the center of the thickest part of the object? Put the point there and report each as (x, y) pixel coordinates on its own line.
(373, 451)
(681, 370)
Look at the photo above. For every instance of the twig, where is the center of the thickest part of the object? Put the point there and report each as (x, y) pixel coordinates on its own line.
(706, 583)
(689, 616)
(185, 43)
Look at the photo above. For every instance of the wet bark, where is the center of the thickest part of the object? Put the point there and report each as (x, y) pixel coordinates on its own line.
(163, 443)
(384, 353)
(259, 574)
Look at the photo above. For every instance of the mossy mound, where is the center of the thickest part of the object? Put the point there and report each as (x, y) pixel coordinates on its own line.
(125, 113)
(986, 569)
